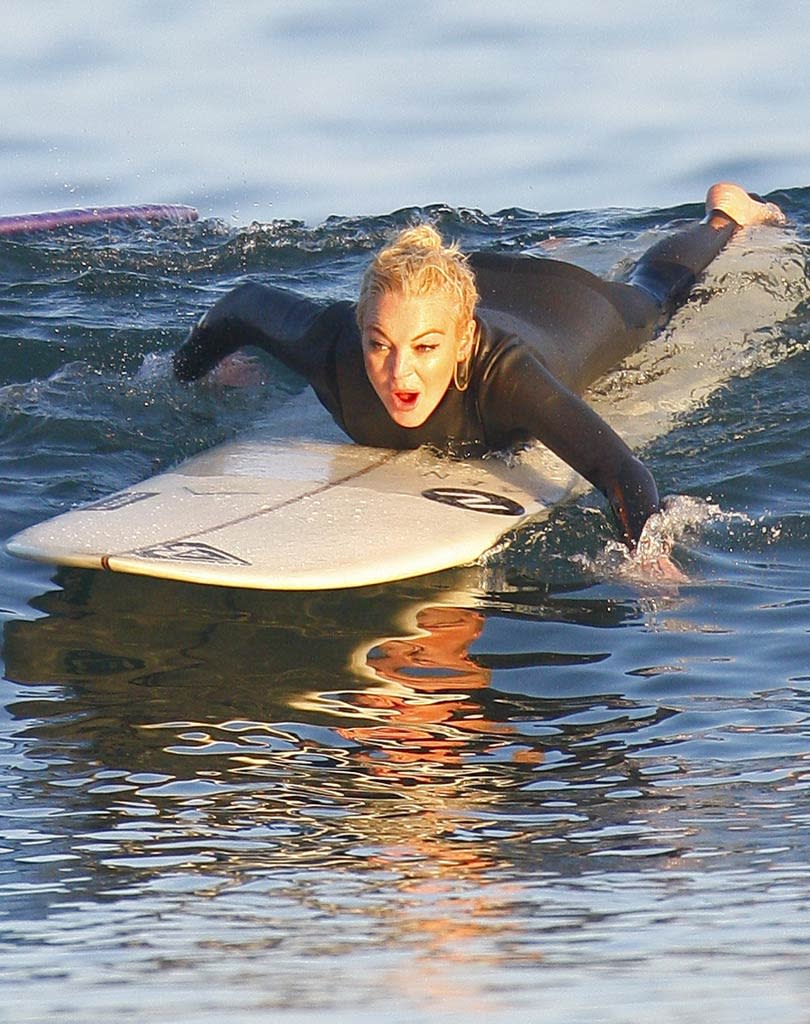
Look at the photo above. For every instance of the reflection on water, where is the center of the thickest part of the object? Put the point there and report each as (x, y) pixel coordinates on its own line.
(268, 774)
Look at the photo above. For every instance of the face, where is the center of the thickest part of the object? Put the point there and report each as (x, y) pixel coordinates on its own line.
(411, 345)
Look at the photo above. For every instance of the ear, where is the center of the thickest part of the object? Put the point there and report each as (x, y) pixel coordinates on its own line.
(466, 341)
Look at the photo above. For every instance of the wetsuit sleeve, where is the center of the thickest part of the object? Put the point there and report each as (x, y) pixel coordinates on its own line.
(295, 329)
(530, 403)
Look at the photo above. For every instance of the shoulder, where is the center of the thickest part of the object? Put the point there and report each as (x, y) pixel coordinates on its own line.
(339, 315)
(497, 333)
(505, 362)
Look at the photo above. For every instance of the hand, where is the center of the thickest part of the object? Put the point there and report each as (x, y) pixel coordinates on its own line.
(237, 371)
(662, 569)
(652, 559)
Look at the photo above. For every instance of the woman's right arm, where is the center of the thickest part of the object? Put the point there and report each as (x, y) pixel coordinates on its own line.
(272, 319)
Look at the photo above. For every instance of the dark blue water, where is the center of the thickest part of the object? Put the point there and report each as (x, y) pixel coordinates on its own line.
(454, 797)
(531, 788)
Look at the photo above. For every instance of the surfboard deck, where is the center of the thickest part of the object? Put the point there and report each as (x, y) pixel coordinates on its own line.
(294, 515)
(285, 514)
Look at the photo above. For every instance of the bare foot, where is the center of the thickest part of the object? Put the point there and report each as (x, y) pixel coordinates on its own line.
(743, 209)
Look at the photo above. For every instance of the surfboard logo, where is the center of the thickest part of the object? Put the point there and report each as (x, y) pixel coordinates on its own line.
(475, 501)
(116, 501)
(189, 551)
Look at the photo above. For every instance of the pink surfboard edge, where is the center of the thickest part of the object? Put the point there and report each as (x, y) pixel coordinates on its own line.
(23, 223)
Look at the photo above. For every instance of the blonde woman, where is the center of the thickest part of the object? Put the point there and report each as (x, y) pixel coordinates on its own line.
(479, 353)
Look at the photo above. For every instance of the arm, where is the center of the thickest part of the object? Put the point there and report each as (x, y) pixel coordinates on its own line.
(531, 403)
(273, 319)
(580, 437)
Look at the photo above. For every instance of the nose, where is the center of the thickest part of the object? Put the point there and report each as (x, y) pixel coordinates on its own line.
(400, 364)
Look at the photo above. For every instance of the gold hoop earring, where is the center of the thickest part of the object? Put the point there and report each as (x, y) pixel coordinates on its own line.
(462, 371)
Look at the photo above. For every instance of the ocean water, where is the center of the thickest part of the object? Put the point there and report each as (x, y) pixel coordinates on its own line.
(535, 787)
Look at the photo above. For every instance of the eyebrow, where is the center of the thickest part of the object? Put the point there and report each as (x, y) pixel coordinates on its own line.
(418, 337)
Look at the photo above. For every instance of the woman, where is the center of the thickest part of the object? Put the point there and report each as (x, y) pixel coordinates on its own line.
(479, 353)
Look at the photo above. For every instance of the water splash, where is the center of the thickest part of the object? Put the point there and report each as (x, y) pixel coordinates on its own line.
(681, 518)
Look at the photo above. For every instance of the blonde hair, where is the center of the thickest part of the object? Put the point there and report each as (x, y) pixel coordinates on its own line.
(418, 263)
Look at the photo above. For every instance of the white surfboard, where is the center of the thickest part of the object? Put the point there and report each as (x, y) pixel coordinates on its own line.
(291, 515)
(286, 514)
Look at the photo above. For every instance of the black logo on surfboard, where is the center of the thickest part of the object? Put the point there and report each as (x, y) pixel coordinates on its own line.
(475, 501)
(190, 551)
(116, 501)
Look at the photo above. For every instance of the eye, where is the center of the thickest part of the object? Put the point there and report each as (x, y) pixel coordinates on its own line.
(425, 346)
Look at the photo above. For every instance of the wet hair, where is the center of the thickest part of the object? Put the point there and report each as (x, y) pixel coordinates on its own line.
(418, 263)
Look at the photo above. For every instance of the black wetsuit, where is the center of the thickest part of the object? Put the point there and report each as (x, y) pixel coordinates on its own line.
(546, 330)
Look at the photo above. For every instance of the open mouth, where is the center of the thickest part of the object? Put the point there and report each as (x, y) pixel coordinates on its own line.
(405, 400)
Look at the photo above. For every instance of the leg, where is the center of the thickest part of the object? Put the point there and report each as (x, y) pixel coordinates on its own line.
(582, 326)
(669, 269)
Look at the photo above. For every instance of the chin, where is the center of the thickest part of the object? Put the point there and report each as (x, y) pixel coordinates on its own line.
(408, 419)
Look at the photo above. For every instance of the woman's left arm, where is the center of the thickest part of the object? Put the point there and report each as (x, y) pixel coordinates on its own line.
(529, 402)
